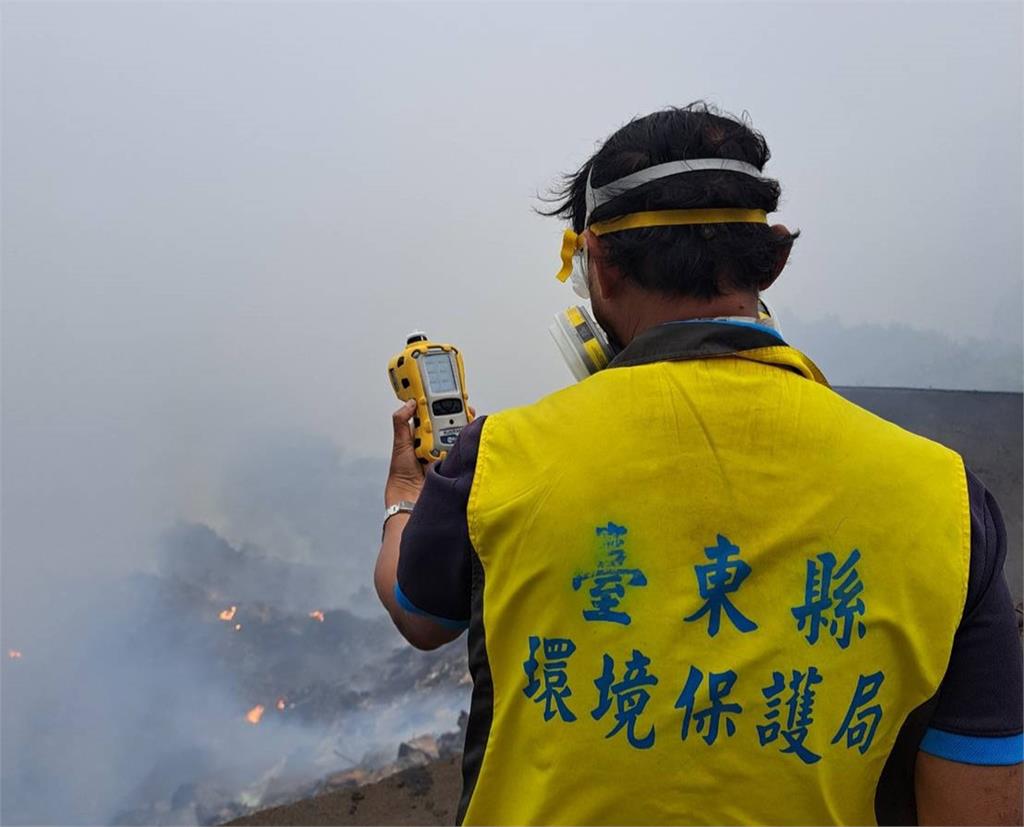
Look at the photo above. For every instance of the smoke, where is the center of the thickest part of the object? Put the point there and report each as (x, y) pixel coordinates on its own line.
(896, 355)
(295, 493)
(130, 699)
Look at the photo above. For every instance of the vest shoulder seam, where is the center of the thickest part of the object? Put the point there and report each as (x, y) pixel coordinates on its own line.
(473, 504)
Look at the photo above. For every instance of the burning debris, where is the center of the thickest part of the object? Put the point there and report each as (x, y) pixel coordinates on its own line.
(349, 687)
(14, 654)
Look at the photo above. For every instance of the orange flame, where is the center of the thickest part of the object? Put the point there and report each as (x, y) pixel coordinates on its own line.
(253, 715)
(280, 703)
(14, 654)
(317, 615)
(229, 614)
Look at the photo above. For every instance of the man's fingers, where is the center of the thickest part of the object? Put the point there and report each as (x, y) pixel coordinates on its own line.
(405, 476)
(402, 450)
(400, 420)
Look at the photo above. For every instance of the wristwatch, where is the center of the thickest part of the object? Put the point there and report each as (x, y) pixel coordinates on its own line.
(402, 506)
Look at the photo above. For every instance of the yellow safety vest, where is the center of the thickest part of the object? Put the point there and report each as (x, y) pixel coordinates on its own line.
(712, 592)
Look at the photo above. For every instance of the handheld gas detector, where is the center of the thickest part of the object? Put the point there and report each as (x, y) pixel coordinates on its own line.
(433, 375)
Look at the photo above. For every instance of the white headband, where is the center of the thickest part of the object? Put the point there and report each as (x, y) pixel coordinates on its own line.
(602, 195)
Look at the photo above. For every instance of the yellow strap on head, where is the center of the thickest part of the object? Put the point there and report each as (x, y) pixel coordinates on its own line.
(672, 218)
(571, 242)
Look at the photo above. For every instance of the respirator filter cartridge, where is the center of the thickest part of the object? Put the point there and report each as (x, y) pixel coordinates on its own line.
(581, 342)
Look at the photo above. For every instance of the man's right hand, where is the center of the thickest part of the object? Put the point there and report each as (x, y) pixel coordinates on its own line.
(405, 475)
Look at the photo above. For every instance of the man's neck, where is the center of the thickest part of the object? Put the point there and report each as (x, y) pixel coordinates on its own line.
(647, 314)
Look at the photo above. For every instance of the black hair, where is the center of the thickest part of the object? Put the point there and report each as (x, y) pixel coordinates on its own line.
(702, 261)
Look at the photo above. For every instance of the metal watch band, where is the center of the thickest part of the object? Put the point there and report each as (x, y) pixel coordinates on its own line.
(402, 506)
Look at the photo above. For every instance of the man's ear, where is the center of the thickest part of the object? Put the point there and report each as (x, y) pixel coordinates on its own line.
(781, 256)
(605, 279)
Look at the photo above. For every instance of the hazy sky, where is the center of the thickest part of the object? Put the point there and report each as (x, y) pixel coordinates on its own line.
(223, 219)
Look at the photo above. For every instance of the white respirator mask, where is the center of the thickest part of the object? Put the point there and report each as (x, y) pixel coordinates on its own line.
(578, 277)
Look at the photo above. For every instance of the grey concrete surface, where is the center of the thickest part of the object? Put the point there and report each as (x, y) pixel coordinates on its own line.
(984, 428)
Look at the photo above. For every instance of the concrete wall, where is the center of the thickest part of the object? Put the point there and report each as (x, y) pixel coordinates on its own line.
(984, 428)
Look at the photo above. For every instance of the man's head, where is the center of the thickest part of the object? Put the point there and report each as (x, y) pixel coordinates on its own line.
(641, 276)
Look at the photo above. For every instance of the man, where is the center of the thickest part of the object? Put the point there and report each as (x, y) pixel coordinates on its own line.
(699, 585)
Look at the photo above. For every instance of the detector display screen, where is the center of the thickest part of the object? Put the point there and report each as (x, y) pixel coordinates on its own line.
(440, 375)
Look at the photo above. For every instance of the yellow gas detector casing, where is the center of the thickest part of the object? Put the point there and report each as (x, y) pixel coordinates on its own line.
(433, 375)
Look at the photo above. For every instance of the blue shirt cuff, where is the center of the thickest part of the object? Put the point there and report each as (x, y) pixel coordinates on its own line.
(974, 749)
(411, 607)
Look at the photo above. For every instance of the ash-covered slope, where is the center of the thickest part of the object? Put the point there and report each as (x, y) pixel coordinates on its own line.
(196, 555)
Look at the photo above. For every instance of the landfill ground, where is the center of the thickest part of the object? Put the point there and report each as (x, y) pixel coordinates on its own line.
(419, 795)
